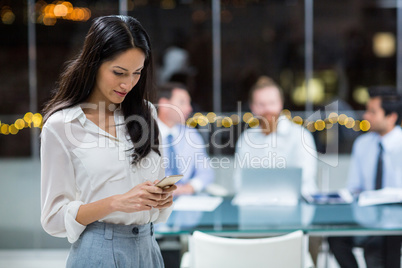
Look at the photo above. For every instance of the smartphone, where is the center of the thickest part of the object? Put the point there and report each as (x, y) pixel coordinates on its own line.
(168, 181)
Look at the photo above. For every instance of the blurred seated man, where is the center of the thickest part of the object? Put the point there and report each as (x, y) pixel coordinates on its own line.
(184, 148)
(278, 140)
(285, 143)
(375, 163)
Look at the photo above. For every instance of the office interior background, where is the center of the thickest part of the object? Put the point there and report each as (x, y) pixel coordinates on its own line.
(324, 54)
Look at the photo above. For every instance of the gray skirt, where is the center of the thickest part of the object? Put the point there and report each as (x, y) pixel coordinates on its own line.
(112, 245)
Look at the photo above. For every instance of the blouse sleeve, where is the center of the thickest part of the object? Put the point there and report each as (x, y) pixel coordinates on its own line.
(58, 191)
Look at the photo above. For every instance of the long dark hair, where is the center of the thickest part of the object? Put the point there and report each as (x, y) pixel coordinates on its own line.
(107, 38)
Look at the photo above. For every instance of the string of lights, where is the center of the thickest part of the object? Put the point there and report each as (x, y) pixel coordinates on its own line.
(29, 120)
(36, 120)
(48, 14)
(248, 118)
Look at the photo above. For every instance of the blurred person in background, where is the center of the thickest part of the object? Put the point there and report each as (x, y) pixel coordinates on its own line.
(375, 164)
(184, 147)
(286, 144)
(95, 191)
(276, 136)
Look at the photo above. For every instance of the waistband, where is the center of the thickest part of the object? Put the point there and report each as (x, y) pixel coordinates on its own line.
(110, 230)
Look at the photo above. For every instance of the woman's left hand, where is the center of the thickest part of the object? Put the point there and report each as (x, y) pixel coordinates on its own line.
(166, 197)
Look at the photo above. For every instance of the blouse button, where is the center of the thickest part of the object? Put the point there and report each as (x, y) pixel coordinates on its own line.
(135, 230)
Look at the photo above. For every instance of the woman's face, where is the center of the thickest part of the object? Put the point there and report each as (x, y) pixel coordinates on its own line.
(116, 77)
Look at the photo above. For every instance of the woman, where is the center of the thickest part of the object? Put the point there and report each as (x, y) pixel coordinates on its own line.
(100, 152)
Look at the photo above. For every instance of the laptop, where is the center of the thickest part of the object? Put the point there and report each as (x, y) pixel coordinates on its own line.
(269, 186)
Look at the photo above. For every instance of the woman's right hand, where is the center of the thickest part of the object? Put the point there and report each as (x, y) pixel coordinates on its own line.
(142, 197)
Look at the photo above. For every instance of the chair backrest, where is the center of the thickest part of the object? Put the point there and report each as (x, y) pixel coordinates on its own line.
(286, 251)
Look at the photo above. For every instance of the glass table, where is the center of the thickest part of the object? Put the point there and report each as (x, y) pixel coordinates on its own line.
(315, 220)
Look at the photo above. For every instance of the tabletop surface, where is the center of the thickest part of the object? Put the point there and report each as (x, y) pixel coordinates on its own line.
(328, 220)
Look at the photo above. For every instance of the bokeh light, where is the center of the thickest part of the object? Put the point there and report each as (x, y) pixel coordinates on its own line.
(49, 20)
(4, 129)
(28, 117)
(356, 127)
(319, 125)
(219, 121)
(349, 122)
(310, 126)
(19, 124)
(60, 10)
(12, 129)
(196, 115)
(37, 120)
(254, 122)
(235, 119)
(227, 122)
(247, 117)
(333, 118)
(361, 95)
(191, 122)
(202, 121)
(211, 117)
(7, 15)
(328, 125)
(342, 119)
(286, 113)
(365, 125)
(298, 120)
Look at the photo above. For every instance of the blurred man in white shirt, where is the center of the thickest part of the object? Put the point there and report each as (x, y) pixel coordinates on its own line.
(277, 141)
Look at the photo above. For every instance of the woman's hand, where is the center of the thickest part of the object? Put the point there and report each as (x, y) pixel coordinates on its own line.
(142, 197)
(166, 197)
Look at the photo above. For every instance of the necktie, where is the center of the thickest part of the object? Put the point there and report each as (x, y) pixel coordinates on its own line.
(172, 165)
(378, 177)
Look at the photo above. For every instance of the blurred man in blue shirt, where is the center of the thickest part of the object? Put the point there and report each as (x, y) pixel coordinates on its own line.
(375, 164)
(184, 148)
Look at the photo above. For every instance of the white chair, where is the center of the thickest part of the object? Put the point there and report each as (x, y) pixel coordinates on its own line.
(286, 251)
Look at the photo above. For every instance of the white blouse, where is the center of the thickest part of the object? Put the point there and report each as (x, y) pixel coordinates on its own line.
(81, 163)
